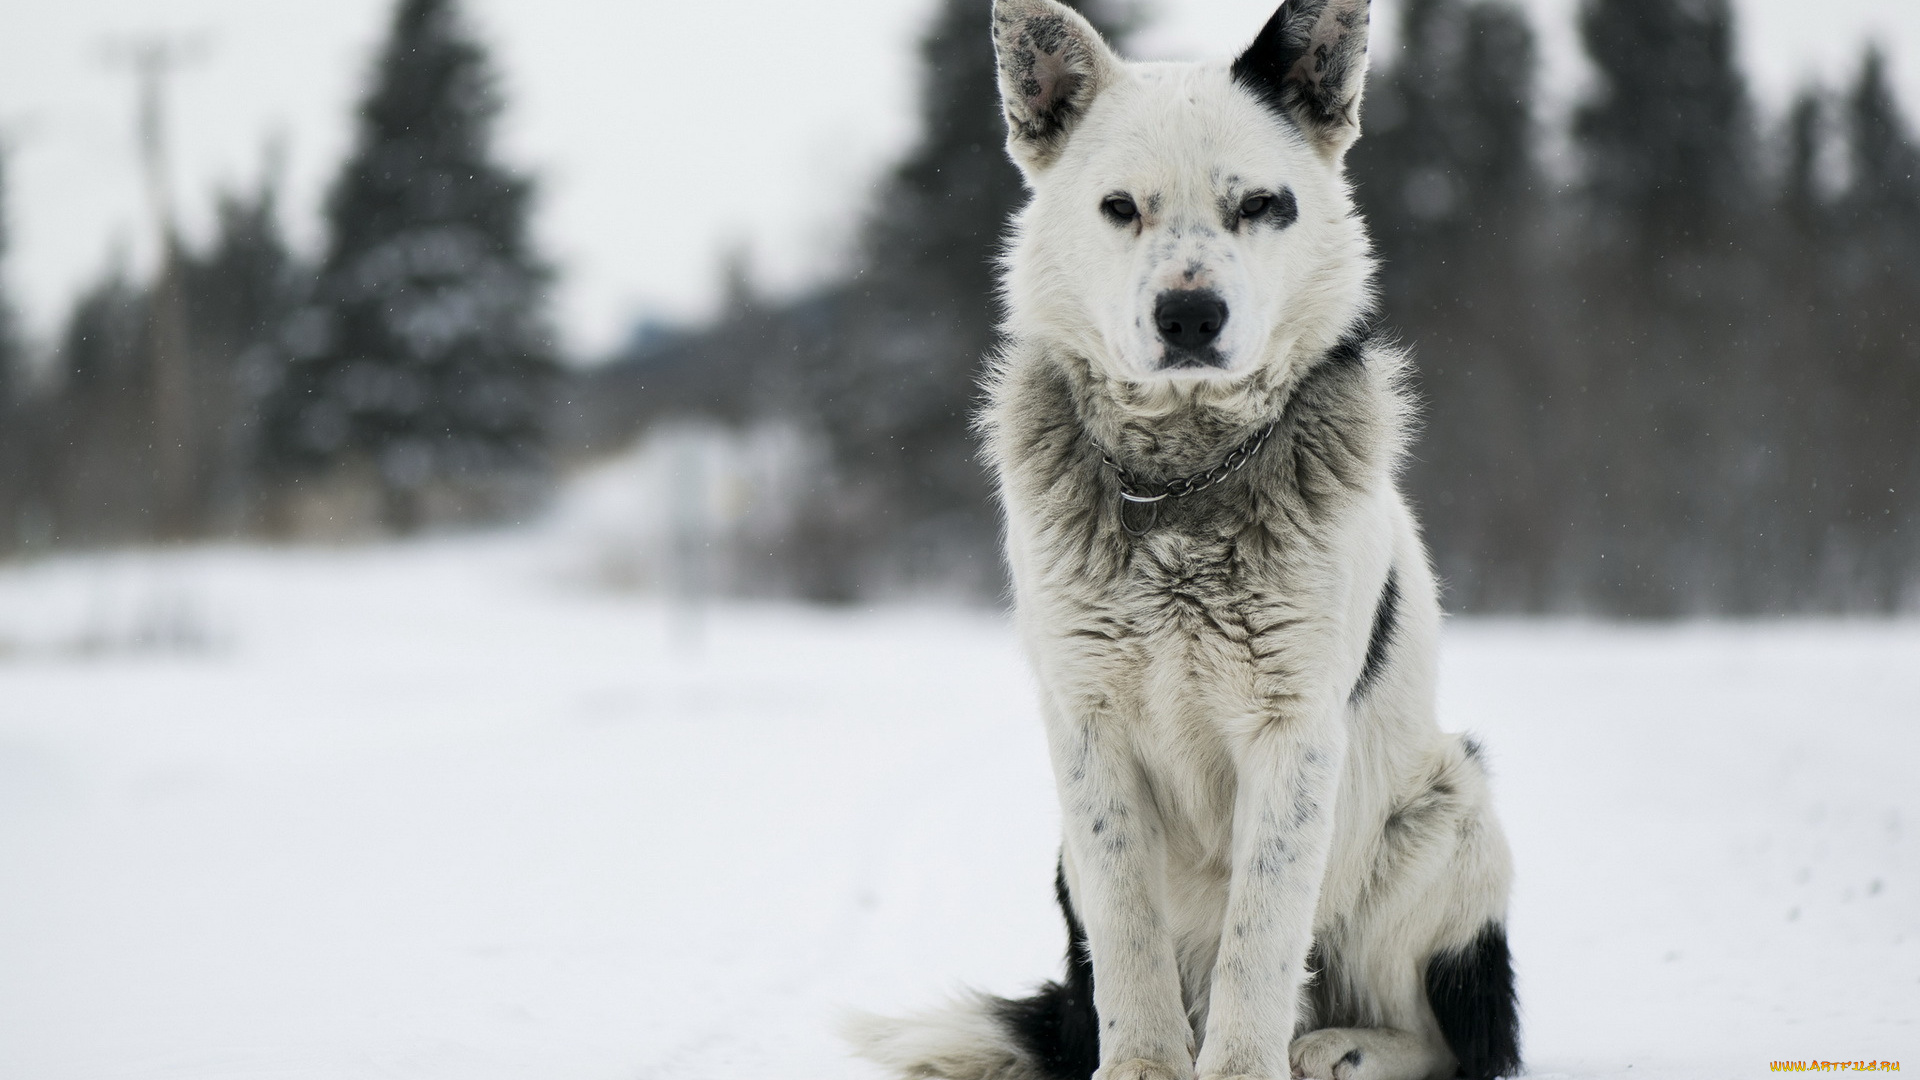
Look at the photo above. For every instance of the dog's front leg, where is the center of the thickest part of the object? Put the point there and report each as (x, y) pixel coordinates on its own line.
(1288, 777)
(1116, 866)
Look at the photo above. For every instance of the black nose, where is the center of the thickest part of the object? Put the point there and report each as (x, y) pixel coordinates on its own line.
(1190, 318)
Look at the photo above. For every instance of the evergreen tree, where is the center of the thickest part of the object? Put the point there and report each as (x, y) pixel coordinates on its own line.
(103, 345)
(93, 437)
(1666, 141)
(1884, 188)
(99, 476)
(13, 436)
(919, 317)
(11, 350)
(1801, 194)
(239, 294)
(1876, 367)
(1665, 308)
(1448, 131)
(1445, 171)
(425, 352)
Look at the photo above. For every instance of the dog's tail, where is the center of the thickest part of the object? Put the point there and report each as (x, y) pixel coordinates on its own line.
(1049, 1036)
(1053, 1035)
(965, 1040)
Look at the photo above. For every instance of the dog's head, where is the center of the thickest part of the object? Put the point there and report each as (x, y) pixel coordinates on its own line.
(1190, 223)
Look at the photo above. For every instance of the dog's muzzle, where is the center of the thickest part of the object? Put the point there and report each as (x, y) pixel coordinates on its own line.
(1189, 320)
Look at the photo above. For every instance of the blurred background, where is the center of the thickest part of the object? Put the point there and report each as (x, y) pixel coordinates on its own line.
(321, 271)
(648, 325)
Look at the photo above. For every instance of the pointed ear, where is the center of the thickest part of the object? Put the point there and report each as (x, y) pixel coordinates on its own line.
(1052, 65)
(1310, 64)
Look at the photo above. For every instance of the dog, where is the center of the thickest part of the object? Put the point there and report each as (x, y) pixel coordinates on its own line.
(1274, 863)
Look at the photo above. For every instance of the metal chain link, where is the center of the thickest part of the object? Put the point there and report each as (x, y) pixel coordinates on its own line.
(1132, 491)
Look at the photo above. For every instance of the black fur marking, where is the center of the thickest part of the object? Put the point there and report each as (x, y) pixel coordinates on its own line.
(1285, 210)
(1228, 208)
(1263, 68)
(1057, 1026)
(1473, 750)
(1351, 1058)
(1384, 624)
(1471, 992)
(1259, 209)
(1300, 76)
(1351, 350)
(1326, 992)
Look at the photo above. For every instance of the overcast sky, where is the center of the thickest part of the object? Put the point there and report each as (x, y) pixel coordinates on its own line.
(663, 133)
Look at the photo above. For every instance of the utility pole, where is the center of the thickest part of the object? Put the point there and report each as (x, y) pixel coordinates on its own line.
(154, 59)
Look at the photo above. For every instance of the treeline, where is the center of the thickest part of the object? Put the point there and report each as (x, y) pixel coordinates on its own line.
(1680, 374)
(1689, 382)
(405, 377)
(1685, 380)
(882, 366)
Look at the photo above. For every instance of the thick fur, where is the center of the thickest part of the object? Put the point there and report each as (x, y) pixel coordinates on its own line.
(1274, 862)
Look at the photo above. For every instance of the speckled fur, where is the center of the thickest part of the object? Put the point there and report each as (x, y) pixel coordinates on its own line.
(1234, 799)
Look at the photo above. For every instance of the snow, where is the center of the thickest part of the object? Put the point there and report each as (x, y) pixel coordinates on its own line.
(450, 809)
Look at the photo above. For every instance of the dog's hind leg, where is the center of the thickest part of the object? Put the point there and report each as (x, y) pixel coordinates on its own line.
(1416, 983)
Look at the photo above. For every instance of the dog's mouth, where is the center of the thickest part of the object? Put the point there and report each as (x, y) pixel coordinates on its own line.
(1192, 359)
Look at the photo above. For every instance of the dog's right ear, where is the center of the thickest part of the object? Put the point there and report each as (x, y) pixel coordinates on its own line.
(1310, 63)
(1052, 65)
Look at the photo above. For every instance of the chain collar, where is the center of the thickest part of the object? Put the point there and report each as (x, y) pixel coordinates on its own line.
(1133, 492)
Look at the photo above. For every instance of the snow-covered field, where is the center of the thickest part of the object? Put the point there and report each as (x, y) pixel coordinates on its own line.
(446, 810)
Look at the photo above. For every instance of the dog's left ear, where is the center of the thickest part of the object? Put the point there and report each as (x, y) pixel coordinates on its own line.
(1310, 63)
(1052, 65)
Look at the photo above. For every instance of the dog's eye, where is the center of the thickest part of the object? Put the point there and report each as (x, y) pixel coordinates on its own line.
(1255, 205)
(1120, 208)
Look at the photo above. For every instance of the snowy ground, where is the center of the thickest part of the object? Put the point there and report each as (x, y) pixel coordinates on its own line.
(447, 811)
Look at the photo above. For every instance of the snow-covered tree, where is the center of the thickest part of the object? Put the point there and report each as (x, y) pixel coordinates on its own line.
(425, 352)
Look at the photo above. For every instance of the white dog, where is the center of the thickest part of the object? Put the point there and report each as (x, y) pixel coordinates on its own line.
(1274, 863)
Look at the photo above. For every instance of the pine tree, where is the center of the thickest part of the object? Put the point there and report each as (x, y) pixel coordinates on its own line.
(13, 436)
(239, 293)
(896, 397)
(103, 346)
(1666, 141)
(1449, 127)
(99, 476)
(11, 350)
(1876, 366)
(1884, 188)
(1801, 194)
(1446, 173)
(425, 352)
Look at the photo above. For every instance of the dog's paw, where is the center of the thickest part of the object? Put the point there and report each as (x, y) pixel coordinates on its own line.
(1142, 1069)
(1328, 1054)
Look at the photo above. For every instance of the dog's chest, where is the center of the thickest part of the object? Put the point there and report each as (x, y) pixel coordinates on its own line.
(1194, 662)
(1189, 635)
